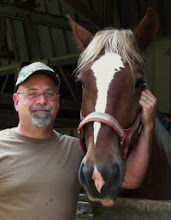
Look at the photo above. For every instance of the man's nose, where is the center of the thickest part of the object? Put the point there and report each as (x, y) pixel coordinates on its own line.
(41, 98)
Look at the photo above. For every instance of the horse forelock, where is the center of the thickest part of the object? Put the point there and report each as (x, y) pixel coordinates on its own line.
(114, 41)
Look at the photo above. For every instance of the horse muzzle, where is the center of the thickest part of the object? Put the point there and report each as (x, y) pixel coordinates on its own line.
(101, 183)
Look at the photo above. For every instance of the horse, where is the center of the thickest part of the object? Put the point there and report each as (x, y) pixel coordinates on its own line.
(111, 69)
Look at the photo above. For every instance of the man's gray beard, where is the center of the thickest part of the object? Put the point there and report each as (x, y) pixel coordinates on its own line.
(41, 120)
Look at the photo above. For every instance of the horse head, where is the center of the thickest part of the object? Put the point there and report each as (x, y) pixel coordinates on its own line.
(111, 70)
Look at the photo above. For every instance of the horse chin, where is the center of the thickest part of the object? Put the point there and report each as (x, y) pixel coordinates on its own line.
(104, 202)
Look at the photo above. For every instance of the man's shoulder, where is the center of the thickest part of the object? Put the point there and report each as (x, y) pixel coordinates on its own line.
(65, 137)
(8, 132)
(69, 142)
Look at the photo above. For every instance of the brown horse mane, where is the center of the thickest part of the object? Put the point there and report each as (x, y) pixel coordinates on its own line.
(114, 41)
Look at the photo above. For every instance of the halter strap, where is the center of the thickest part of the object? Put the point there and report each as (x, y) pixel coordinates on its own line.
(125, 135)
(105, 119)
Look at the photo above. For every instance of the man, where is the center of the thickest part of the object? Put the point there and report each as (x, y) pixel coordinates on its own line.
(39, 166)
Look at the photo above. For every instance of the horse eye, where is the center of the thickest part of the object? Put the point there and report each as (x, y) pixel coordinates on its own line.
(139, 84)
(78, 84)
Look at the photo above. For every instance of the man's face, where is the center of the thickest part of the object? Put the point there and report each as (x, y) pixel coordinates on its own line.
(37, 101)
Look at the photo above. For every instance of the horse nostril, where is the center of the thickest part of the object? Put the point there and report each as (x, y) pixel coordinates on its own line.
(117, 176)
(84, 174)
(81, 174)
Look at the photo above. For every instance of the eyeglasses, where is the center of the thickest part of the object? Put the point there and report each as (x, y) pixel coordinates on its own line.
(33, 95)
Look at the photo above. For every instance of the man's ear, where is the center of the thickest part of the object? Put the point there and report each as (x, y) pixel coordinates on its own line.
(15, 100)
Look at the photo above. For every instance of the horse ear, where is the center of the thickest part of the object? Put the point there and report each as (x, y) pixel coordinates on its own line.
(147, 30)
(82, 35)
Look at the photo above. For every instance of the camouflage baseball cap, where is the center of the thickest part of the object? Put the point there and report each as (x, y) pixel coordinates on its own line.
(36, 67)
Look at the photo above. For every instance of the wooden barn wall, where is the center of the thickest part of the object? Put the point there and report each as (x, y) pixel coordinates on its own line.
(158, 60)
(124, 209)
(32, 41)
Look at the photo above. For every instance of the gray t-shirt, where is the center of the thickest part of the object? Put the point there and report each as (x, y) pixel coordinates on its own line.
(38, 178)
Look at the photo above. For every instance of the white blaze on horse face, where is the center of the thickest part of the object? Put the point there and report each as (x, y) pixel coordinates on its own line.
(104, 70)
(98, 179)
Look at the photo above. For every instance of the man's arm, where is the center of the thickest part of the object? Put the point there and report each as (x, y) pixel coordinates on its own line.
(138, 160)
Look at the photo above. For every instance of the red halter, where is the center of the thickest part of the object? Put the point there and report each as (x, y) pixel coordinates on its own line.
(125, 135)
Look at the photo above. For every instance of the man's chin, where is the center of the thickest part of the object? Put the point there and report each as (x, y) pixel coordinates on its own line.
(41, 122)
